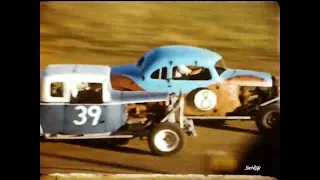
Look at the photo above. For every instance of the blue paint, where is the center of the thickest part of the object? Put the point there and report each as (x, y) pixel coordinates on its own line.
(51, 118)
(59, 119)
(175, 55)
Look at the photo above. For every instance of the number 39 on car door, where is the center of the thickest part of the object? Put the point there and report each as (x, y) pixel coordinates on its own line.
(87, 118)
(84, 114)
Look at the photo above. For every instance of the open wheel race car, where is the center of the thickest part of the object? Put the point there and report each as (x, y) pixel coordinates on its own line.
(78, 102)
(211, 90)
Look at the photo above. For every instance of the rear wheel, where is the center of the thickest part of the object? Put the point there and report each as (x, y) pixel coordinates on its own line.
(166, 139)
(267, 117)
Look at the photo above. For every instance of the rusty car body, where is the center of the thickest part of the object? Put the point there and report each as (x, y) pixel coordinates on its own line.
(227, 92)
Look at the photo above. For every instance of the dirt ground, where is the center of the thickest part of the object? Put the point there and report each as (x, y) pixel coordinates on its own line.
(245, 34)
(96, 157)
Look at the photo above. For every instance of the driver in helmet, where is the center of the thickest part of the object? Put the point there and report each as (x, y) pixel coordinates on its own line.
(183, 72)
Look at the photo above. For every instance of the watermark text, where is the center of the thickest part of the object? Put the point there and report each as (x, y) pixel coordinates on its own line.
(252, 168)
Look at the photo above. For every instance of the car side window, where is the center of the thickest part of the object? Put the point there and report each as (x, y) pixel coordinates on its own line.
(88, 93)
(196, 73)
(160, 73)
(56, 89)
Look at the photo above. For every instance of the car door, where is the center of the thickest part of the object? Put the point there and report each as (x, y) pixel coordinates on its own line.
(158, 81)
(84, 119)
(85, 113)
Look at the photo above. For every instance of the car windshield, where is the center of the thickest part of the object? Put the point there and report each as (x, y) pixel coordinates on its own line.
(220, 66)
(140, 62)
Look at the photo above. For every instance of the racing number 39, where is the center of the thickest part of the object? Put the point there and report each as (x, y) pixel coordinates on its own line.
(92, 111)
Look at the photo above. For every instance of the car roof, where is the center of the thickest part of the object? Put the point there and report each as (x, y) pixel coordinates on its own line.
(55, 69)
(76, 70)
(182, 54)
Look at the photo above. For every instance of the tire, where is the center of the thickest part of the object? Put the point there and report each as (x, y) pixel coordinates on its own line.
(154, 139)
(267, 118)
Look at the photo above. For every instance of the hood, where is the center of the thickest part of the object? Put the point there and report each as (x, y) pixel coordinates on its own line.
(128, 70)
(246, 78)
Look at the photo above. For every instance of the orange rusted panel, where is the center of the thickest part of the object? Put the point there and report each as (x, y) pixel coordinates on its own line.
(247, 81)
(121, 82)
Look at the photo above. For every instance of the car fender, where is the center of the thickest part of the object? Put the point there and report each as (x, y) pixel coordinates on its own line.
(246, 78)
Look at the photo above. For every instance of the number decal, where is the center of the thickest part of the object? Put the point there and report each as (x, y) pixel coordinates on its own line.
(92, 111)
(82, 115)
(95, 112)
(205, 100)
(205, 103)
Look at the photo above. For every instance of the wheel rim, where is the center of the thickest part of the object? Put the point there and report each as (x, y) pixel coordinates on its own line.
(271, 119)
(166, 140)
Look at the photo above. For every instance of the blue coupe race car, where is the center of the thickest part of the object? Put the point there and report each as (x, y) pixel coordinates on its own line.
(211, 89)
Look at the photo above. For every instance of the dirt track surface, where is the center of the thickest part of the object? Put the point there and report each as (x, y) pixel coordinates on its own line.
(65, 157)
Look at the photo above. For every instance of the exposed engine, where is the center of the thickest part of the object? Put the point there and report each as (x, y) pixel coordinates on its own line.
(251, 97)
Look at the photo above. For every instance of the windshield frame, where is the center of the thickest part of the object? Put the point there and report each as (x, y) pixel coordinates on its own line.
(220, 66)
(140, 62)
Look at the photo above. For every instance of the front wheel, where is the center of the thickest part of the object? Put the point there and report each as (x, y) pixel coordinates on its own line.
(267, 118)
(166, 139)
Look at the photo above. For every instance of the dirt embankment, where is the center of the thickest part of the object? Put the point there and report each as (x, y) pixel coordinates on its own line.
(245, 34)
